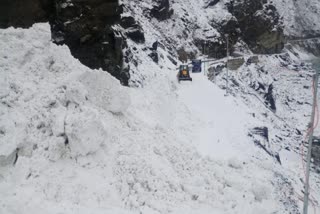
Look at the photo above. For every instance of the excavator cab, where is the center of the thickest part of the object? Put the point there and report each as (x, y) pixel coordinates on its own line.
(184, 73)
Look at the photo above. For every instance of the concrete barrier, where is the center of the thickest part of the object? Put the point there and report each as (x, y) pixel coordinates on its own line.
(234, 64)
(253, 59)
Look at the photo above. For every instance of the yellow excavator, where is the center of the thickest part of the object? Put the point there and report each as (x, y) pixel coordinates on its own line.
(184, 74)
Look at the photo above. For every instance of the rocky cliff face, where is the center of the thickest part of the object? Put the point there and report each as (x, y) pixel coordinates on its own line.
(87, 27)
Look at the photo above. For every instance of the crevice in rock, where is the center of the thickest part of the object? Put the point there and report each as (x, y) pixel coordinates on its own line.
(16, 156)
(64, 135)
(269, 98)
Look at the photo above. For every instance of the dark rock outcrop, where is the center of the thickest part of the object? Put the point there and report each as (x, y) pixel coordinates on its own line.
(154, 56)
(260, 24)
(213, 47)
(133, 30)
(316, 151)
(155, 46)
(269, 98)
(172, 60)
(216, 45)
(184, 55)
(24, 13)
(262, 131)
(161, 10)
(231, 28)
(87, 27)
(211, 3)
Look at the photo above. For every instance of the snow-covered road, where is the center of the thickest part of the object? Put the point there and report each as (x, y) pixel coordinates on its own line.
(223, 123)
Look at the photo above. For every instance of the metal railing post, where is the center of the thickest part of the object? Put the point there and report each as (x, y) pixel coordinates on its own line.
(307, 185)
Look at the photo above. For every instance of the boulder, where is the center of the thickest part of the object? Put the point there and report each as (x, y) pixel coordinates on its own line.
(154, 56)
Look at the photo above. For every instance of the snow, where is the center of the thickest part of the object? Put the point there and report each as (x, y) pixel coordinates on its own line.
(102, 94)
(86, 144)
(226, 127)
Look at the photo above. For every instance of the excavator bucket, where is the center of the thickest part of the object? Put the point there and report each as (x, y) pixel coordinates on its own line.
(184, 74)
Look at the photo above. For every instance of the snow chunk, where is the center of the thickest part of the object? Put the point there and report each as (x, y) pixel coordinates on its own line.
(235, 163)
(261, 192)
(76, 93)
(85, 132)
(105, 92)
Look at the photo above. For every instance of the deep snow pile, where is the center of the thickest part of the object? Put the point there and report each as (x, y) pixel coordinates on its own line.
(51, 117)
(74, 141)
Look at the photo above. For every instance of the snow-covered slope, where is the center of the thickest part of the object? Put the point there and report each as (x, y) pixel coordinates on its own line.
(73, 140)
(301, 18)
(190, 21)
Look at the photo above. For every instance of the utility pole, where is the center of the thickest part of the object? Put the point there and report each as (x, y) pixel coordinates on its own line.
(307, 185)
(204, 53)
(214, 75)
(227, 81)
